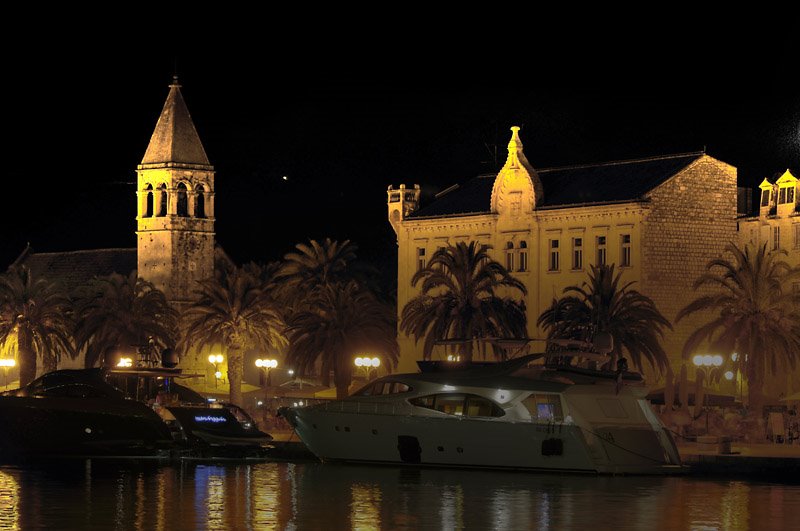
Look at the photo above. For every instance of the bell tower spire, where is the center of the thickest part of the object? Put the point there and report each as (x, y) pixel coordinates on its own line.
(175, 207)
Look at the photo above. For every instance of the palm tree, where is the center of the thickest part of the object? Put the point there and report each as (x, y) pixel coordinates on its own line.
(341, 321)
(320, 264)
(458, 300)
(35, 312)
(116, 312)
(604, 305)
(755, 312)
(233, 310)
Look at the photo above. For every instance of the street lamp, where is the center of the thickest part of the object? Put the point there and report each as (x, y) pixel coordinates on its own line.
(215, 360)
(266, 366)
(706, 364)
(367, 363)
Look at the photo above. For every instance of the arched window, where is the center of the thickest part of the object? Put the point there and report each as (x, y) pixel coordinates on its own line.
(523, 256)
(183, 201)
(200, 202)
(148, 201)
(510, 256)
(162, 200)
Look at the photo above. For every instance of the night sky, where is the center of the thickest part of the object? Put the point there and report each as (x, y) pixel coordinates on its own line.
(342, 126)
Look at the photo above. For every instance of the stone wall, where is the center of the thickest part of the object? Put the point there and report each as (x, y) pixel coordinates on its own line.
(692, 217)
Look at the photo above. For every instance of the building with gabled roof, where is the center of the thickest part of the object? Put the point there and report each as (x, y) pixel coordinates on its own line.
(659, 219)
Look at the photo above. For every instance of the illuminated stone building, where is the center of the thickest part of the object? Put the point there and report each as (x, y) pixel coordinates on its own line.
(777, 223)
(175, 217)
(658, 219)
(175, 211)
(174, 214)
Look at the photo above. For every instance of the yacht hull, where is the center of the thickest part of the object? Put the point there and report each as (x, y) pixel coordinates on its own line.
(480, 443)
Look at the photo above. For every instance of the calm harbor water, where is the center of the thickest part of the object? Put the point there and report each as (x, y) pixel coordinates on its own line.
(142, 495)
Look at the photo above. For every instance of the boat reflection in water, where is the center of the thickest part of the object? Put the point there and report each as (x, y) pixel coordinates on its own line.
(518, 414)
(109, 494)
(122, 412)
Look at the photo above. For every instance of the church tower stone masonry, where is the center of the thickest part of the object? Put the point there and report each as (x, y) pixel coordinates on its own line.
(175, 210)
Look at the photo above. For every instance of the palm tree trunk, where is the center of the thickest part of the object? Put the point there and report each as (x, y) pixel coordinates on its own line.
(342, 377)
(27, 357)
(235, 375)
(754, 397)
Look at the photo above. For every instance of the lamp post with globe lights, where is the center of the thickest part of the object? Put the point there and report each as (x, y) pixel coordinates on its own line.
(266, 365)
(215, 360)
(368, 365)
(708, 367)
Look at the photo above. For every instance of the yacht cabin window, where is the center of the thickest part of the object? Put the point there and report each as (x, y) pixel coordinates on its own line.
(459, 404)
(383, 387)
(544, 407)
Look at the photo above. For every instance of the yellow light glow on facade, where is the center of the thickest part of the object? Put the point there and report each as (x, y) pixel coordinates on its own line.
(125, 362)
(11, 362)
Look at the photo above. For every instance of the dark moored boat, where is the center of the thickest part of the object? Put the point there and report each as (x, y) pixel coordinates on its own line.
(122, 412)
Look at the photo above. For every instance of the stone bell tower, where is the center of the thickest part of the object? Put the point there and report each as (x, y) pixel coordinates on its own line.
(175, 205)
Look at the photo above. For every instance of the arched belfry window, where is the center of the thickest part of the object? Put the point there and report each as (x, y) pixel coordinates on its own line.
(183, 201)
(162, 200)
(200, 202)
(148, 202)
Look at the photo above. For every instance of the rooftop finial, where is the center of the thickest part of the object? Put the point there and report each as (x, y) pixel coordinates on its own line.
(175, 81)
(514, 147)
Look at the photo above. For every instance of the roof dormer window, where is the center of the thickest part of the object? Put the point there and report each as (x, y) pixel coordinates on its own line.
(765, 197)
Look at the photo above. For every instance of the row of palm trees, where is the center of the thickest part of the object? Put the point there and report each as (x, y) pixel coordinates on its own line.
(751, 297)
(320, 305)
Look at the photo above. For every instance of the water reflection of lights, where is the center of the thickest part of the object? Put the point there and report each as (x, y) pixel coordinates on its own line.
(733, 507)
(266, 489)
(452, 508)
(210, 495)
(365, 507)
(9, 501)
(544, 512)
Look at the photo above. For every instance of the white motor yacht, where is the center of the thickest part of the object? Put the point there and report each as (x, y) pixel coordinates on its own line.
(518, 414)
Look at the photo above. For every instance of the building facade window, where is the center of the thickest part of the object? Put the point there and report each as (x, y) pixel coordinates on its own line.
(600, 258)
(625, 250)
(796, 235)
(765, 197)
(781, 196)
(577, 253)
(776, 238)
(790, 194)
(553, 263)
(510, 256)
(523, 256)
(420, 258)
